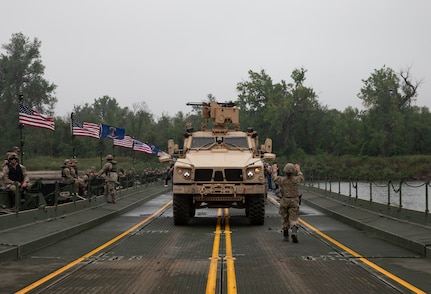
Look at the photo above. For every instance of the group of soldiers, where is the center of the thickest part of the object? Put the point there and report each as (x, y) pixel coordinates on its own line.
(69, 175)
(15, 177)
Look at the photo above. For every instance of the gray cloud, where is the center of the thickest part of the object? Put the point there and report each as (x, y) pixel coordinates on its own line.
(167, 53)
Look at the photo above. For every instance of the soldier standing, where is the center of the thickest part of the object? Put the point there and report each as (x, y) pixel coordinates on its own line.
(289, 203)
(109, 172)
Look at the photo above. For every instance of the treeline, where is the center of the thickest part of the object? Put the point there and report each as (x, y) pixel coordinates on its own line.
(289, 112)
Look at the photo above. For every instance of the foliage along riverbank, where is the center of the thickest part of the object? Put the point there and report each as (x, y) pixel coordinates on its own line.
(44, 163)
(414, 167)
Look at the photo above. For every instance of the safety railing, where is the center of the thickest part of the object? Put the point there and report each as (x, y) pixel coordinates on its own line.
(55, 193)
(402, 194)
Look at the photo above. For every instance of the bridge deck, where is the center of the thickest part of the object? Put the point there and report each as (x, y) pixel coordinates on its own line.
(262, 261)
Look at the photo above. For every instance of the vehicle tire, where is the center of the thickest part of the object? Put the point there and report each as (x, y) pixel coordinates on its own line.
(182, 206)
(256, 209)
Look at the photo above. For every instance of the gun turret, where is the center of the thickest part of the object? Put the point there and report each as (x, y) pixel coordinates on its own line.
(221, 114)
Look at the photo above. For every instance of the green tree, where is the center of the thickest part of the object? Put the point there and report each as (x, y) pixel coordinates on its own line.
(284, 112)
(387, 100)
(418, 122)
(21, 73)
(140, 122)
(259, 101)
(345, 134)
(302, 122)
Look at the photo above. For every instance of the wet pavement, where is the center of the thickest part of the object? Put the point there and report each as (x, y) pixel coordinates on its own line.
(182, 251)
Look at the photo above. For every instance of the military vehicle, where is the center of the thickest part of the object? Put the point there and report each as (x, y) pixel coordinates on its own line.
(221, 167)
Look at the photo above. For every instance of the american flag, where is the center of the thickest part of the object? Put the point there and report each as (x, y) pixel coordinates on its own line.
(142, 147)
(31, 117)
(85, 129)
(126, 142)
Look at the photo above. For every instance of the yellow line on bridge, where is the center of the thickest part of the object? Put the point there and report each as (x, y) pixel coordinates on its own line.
(231, 278)
(91, 253)
(229, 259)
(212, 273)
(357, 255)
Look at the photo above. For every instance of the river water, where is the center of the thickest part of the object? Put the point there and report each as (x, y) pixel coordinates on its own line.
(410, 195)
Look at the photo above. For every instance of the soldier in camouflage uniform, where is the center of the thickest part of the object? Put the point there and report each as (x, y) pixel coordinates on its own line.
(78, 181)
(67, 176)
(109, 172)
(13, 172)
(289, 203)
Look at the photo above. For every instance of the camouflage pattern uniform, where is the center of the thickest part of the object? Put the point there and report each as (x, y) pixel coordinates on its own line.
(13, 172)
(79, 182)
(109, 172)
(289, 203)
(67, 175)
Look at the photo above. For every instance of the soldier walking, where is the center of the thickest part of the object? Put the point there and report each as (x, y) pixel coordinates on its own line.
(289, 203)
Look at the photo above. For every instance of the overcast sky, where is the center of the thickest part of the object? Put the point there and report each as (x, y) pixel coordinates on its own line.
(168, 53)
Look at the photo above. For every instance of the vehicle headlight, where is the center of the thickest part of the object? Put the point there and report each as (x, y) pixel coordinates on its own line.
(185, 172)
(251, 172)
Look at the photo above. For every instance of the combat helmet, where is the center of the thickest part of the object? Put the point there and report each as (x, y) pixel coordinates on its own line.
(109, 157)
(289, 168)
(12, 155)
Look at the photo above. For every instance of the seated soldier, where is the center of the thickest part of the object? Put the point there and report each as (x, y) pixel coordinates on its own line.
(133, 177)
(67, 176)
(13, 172)
(79, 182)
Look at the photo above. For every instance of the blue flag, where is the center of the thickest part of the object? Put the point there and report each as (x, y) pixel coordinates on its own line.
(110, 132)
(155, 149)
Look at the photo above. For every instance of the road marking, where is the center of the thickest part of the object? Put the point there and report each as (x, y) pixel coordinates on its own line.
(229, 259)
(231, 278)
(212, 273)
(93, 252)
(357, 255)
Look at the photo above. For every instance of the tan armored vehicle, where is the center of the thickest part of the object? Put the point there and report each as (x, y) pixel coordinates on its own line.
(219, 167)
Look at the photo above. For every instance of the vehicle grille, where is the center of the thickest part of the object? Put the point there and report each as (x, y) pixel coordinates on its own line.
(209, 175)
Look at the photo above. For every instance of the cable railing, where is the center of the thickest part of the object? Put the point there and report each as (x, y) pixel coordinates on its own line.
(54, 193)
(401, 194)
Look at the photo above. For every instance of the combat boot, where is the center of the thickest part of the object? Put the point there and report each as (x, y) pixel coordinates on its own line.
(286, 235)
(295, 234)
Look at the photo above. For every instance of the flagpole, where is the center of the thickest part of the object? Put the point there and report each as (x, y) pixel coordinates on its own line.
(101, 159)
(133, 163)
(21, 126)
(73, 137)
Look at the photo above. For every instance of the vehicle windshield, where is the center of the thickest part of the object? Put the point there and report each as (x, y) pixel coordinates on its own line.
(238, 142)
(229, 142)
(202, 142)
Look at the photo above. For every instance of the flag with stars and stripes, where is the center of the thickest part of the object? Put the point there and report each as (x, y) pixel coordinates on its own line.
(127, 142)
(141, 147)
(31, 117)
(85, 129)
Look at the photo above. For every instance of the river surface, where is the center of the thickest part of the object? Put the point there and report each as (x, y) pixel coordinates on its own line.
(410, 195)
